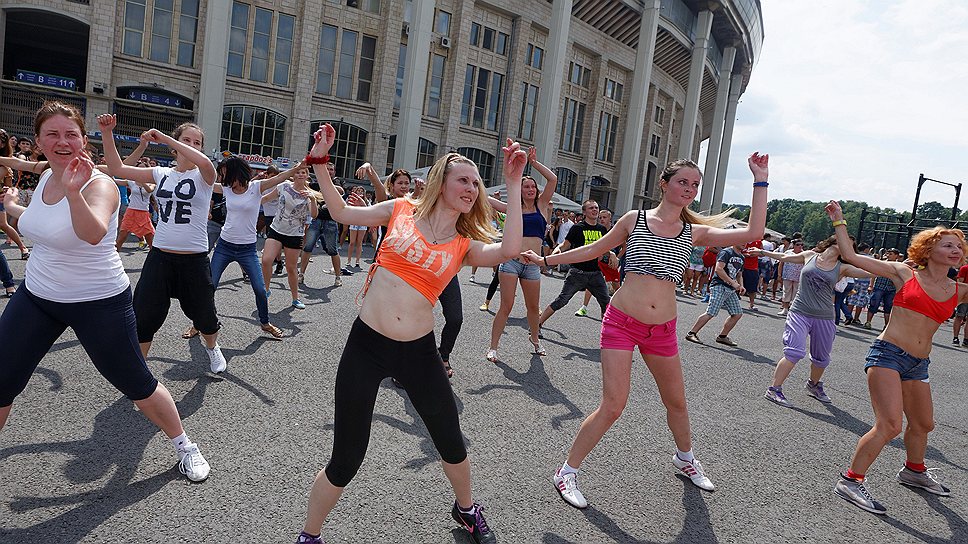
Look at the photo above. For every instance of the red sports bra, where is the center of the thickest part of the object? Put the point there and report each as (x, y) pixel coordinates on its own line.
(913, 297)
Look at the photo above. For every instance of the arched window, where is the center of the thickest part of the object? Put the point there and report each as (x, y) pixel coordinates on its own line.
(251, 130)
(484, 161)
(567, 182)
(349, 151)
(426, 153)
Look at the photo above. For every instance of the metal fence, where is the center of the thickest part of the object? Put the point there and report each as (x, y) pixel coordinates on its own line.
(19, 104)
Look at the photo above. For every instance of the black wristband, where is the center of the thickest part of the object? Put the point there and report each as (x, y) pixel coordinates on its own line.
(546, 261)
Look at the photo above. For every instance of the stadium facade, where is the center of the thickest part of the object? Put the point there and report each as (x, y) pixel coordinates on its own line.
(607, 90)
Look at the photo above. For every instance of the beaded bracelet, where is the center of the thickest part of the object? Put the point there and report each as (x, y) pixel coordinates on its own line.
(761, 184)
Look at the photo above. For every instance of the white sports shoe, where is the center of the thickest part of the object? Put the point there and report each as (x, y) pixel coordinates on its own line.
(192, 464)
(694, 471)
(567, 487)
(216, 359)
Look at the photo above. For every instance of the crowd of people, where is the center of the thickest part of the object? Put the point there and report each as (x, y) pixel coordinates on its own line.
(196, 217)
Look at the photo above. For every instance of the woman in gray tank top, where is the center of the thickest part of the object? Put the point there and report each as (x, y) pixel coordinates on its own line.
(811, 314)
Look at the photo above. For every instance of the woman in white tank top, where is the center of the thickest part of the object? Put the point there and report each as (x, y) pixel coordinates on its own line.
(75, 279)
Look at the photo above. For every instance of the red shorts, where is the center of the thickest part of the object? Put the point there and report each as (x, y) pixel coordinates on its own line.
(622, 332)
(610, 273)
(137, 222)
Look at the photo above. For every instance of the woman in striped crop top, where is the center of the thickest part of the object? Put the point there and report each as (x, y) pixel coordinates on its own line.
(643, 311)
(428, 240)
(897, 362)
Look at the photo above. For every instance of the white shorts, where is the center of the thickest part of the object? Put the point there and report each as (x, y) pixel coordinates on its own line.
(358, 227)
(696, 267)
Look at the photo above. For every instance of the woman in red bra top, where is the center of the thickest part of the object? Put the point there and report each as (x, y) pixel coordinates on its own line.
(427, 241)
(897, 363)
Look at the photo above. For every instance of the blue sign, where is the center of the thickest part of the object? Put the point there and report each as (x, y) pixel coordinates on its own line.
(152, 97)
(47, 80)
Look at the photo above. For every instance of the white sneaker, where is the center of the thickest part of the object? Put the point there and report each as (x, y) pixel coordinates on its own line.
(338, 282)
(694, 471)
(216, 359)
(567, 487)
(472, 279)
(192, 464)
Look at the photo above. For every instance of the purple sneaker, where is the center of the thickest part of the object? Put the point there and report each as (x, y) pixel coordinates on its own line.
(775, 394)
(816, 391)
(306, 538)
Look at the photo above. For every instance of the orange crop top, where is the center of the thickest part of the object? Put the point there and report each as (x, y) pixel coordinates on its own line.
(913, 297)
(427, 267)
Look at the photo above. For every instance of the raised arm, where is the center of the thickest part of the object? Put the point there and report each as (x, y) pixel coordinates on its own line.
(703, 235)
(135, 156)
(185, 152)
(896, 272)
(481, 254)
(269, 183)
(370, 216)
(544, 199)
(379, 190)
(106, 122)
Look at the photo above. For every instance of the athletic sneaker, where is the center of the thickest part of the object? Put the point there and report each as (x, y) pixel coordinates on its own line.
(338, 282)
(693, 469)
(192, 464)
(854, 491)
(925, 480)
(216, 359)
(775, 394)
(867, 325)
(956, 341)
(693, 337)
(301, 278)
(298, 304)
(816, 391)
(567, 487)
(305, 538)
(475, 524)
(473, 279)
(278, 269)
(726, 341)
(964, 342)
(484, 307)
(582, 312)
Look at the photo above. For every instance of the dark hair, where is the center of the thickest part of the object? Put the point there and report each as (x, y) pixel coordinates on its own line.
(176, 134)
(272, 170)
(234, 170)
(4, 143)
(863, 246)
(51, 108)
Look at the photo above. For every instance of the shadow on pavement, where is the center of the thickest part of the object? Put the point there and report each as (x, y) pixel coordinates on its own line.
(958, 525)
(696, 526)
(536, 384)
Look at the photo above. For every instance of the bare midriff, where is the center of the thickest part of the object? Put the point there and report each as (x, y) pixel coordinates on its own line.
(647, 299)
(910, 331)
(393, 308)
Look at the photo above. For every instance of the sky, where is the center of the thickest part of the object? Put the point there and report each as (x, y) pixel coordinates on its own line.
(853, 99)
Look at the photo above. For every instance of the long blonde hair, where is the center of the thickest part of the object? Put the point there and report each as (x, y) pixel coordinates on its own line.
(475, 224)
(687, 215)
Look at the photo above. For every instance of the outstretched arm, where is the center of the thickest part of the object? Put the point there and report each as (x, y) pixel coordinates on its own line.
(796, 258)
(562, 255)
(270, 183)
(379, 190)
(116, 167)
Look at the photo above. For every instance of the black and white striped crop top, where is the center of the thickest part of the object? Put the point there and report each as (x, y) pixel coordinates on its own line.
(649, 253)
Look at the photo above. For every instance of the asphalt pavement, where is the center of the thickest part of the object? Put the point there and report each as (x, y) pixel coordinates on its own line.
(79, 464)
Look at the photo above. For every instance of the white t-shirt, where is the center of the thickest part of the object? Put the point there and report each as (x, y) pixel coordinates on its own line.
(270, 208)
(241, 214)
(139, 198)
(768, 246)
(62, 267)
(293, 208)
(563, 231)
(183, 203)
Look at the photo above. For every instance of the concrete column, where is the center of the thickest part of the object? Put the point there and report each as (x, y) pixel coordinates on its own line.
(549, 96)
(635, 120)
(215, 52)
(716, 137)
(704, 24)
(414, 84)
(735, 84)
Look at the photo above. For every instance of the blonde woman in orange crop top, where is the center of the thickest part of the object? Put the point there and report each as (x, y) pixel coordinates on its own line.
(427, 242)
(897, 363)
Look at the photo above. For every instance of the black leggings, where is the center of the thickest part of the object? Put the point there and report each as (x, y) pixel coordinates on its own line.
(367, 359)
(30, 325)
(453, 309)
(492, 288)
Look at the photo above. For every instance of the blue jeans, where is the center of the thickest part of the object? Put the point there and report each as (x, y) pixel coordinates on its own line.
(6, 276)
(328, 230)
(245, 255)
(840, 303)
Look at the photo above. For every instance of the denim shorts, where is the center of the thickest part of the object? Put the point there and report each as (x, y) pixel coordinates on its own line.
(887, 355)
(525, 271)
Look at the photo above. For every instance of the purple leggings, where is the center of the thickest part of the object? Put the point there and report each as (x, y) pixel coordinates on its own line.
(821, 332)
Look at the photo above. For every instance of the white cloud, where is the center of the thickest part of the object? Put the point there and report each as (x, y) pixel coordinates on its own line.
(853, 99)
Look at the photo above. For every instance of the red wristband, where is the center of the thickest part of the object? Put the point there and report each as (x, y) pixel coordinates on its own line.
(310, 160)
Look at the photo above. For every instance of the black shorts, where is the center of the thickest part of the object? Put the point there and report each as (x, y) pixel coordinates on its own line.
(288, 242)
(164, 276)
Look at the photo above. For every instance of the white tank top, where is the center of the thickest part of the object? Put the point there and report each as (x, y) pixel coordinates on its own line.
(62, 267)
(139, 197)
(241, 214)
(183, 204)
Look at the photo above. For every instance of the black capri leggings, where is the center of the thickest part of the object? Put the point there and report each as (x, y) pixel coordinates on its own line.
(30, 325)
(367, 359)
(164, 276)
(453, 309)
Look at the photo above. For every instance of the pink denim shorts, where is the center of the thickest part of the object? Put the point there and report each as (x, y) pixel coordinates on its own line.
(620, 331)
